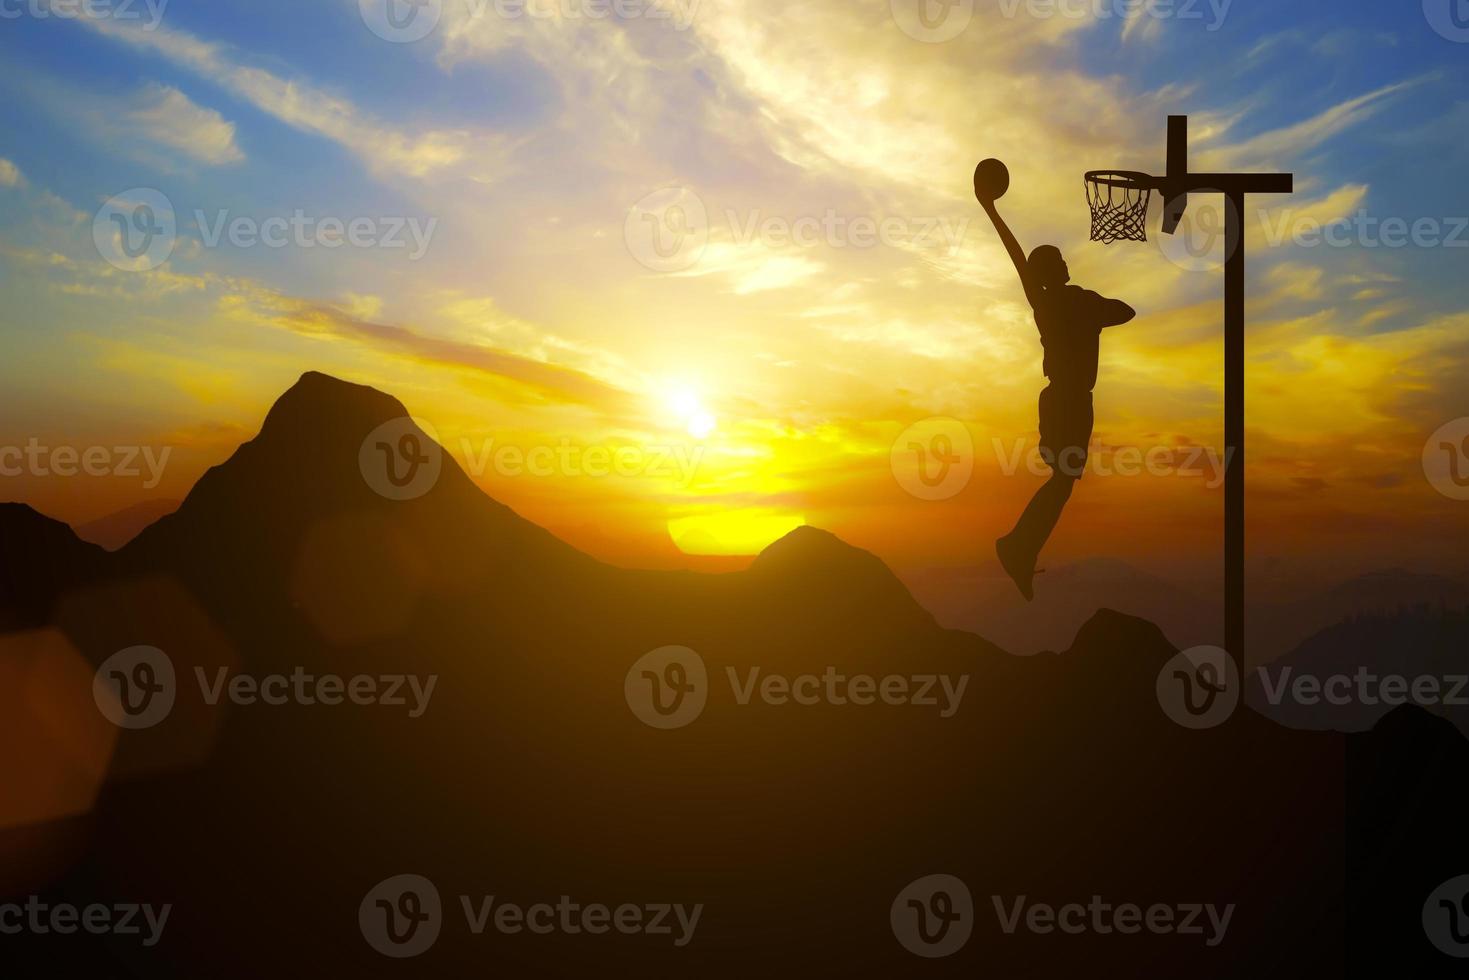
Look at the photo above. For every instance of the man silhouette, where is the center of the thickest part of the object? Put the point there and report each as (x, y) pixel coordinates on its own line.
(1070, 320)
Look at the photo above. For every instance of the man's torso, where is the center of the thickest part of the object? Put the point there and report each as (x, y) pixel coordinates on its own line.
(1071, 329)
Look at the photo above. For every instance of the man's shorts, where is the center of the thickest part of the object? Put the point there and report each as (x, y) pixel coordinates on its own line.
(1066, 429)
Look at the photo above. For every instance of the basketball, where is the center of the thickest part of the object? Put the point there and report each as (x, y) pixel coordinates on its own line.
(991, 180)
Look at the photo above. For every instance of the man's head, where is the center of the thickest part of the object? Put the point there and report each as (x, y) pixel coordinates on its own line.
(1047, 267)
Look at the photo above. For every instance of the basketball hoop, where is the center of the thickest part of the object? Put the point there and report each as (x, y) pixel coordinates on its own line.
(1119, 204)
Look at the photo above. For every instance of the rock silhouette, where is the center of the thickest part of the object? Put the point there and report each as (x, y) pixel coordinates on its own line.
(1059, 777)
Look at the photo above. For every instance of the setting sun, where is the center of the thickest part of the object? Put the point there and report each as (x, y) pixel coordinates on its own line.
(739, 532)
(689, 412)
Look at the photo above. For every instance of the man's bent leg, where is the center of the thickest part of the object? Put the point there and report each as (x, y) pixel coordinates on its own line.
(1019, 550)
(1043, 512)
(1066, 428)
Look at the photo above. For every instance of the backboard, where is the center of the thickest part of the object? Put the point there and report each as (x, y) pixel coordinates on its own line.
(1119, 198)
(1175, 185)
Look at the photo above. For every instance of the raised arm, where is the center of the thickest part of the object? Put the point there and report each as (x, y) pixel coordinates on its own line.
(1017, 254)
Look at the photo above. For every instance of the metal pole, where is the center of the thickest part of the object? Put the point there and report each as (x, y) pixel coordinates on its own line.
(1234, 429)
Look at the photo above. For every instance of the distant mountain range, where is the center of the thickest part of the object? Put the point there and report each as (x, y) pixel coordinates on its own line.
(1067, 595)
(1356, 672)
(115, 530)
(531, 774)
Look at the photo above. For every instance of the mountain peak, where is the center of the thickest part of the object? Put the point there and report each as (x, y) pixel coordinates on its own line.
(836, 576)
(306, 479)
(1109, 630)
(302, 467)
(42, 554)
(304, 461)
(805, 544)
(810, 550)
(322, 401)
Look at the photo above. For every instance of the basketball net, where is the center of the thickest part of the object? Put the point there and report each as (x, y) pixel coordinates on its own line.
(1119, 206)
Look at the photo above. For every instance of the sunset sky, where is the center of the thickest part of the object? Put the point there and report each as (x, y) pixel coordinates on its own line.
(541, 153)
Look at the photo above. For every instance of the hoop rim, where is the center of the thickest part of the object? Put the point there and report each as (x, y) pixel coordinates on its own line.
(1133, 179)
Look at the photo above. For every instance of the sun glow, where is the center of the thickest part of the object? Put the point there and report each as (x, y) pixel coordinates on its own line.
(736, 532)
(688, 411)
